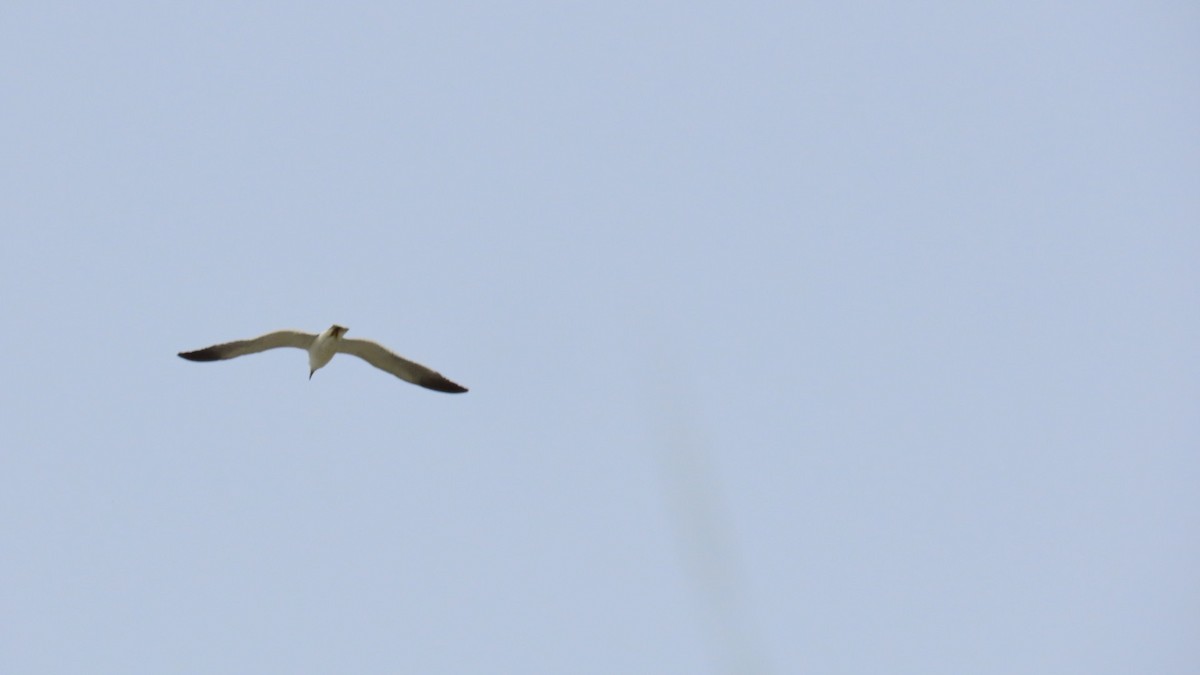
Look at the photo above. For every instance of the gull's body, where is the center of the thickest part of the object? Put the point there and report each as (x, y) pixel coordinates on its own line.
(321, 349)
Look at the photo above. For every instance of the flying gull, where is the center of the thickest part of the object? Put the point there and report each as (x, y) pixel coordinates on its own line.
(321, 349)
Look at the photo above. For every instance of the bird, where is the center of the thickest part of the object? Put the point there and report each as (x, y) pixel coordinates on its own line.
(321, 349)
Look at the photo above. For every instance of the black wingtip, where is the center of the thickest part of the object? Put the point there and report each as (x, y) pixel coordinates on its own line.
(443, 385)
(207, 354)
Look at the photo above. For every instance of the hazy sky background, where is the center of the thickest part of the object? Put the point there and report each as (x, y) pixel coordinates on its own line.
(801, 338)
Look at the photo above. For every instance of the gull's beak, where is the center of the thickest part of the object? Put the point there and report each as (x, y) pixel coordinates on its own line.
(310, 373)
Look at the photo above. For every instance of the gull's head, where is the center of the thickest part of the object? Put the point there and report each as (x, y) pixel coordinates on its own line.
(336, 331)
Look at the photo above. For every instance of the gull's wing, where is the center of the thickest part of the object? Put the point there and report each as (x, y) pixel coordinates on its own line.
(232, 350)
(383, 359)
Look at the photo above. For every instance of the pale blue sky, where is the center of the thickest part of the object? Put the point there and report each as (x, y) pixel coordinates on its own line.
(811, 339)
